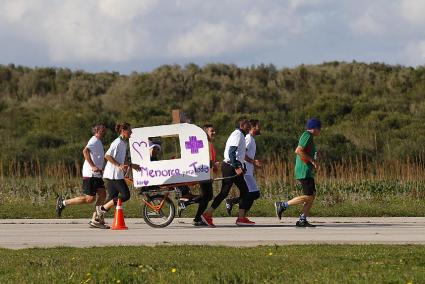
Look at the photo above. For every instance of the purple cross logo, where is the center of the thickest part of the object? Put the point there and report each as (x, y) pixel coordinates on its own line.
(194, 144)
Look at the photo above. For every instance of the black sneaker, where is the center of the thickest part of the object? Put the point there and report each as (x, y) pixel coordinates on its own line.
(229, 207)
(303, 224)
(280, 208)
(59, 206)
(199, 224)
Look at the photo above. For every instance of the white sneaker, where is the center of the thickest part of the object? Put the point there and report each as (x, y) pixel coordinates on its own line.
(96, 224)
(100, 215)
(94, 217)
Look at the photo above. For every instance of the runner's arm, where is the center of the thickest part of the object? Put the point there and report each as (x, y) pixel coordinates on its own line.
(300, 151)
(114, 162)
(87, 157)
(249, 160)
(232, 155)
(133, 166)
(255, 162)
(234, 162)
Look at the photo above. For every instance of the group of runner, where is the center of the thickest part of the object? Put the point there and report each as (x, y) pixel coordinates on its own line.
(237, 168)
(96, 177)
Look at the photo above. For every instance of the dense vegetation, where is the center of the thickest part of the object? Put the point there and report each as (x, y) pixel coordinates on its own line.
(373, 111)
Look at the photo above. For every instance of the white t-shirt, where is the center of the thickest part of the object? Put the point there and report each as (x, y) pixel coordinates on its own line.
(251, 148)
(117, 150)
(251, 183)
(236, 139)
(97, 155)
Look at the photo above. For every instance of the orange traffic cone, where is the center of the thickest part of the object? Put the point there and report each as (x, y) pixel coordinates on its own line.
(119, 223)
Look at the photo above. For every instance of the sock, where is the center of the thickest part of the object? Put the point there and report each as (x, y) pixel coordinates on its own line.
(303, 217)
(103, 209)
(63, 202)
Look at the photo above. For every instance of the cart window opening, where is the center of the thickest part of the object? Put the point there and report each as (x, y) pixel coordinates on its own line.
(164, 148)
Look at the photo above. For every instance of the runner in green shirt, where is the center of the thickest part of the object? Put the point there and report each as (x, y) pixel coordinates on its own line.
(305, 167)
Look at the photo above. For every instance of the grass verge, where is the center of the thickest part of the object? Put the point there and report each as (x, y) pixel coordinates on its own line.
(379, 206)
(35, 198)
(201, 264)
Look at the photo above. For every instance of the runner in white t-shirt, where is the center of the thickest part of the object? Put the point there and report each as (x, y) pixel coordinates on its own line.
(251, 162)
(92, 177)
(232, 169)
(115, 169)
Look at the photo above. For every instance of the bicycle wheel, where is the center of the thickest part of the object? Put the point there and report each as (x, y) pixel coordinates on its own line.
(158, 218)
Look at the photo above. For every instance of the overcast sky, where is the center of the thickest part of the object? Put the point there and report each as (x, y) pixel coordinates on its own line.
(140, 35)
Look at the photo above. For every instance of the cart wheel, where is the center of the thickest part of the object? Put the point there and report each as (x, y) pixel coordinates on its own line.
(161, 218)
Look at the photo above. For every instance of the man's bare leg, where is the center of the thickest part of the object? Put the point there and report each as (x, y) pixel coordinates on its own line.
(308, 205)
(209, 211)
(299, 200)
(84, 199)
(242, 213)
(101, 196)
(307, 200)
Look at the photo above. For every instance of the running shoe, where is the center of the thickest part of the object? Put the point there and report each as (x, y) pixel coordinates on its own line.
(229, 206)
(97, 219)
(188, 197)
(303, 224)
(199, 223)
(95, 224)
(94, 217)
(59, 206)
(207, 219)
(100, 214)
(280, 208)
(244, 222)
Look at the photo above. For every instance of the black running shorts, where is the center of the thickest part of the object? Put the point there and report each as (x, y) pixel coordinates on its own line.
(309, 187)
(91, 185)
(117, 188)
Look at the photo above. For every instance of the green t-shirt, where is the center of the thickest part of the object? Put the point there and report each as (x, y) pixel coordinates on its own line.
(303, 168)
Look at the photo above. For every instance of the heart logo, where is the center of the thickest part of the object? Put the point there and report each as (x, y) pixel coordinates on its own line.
(145, 182)
(137, 145)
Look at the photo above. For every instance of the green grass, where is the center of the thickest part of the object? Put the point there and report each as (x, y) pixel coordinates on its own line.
(392, 206)
(200, 264)
(35, 198)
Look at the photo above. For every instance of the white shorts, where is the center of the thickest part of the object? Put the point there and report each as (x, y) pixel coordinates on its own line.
(251, 183)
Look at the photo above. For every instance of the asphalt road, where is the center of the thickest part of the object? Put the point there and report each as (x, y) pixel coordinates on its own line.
(26, 233)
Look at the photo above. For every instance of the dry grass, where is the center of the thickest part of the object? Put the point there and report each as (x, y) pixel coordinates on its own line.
(354, 178)
(348, 188)
(348, 170)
